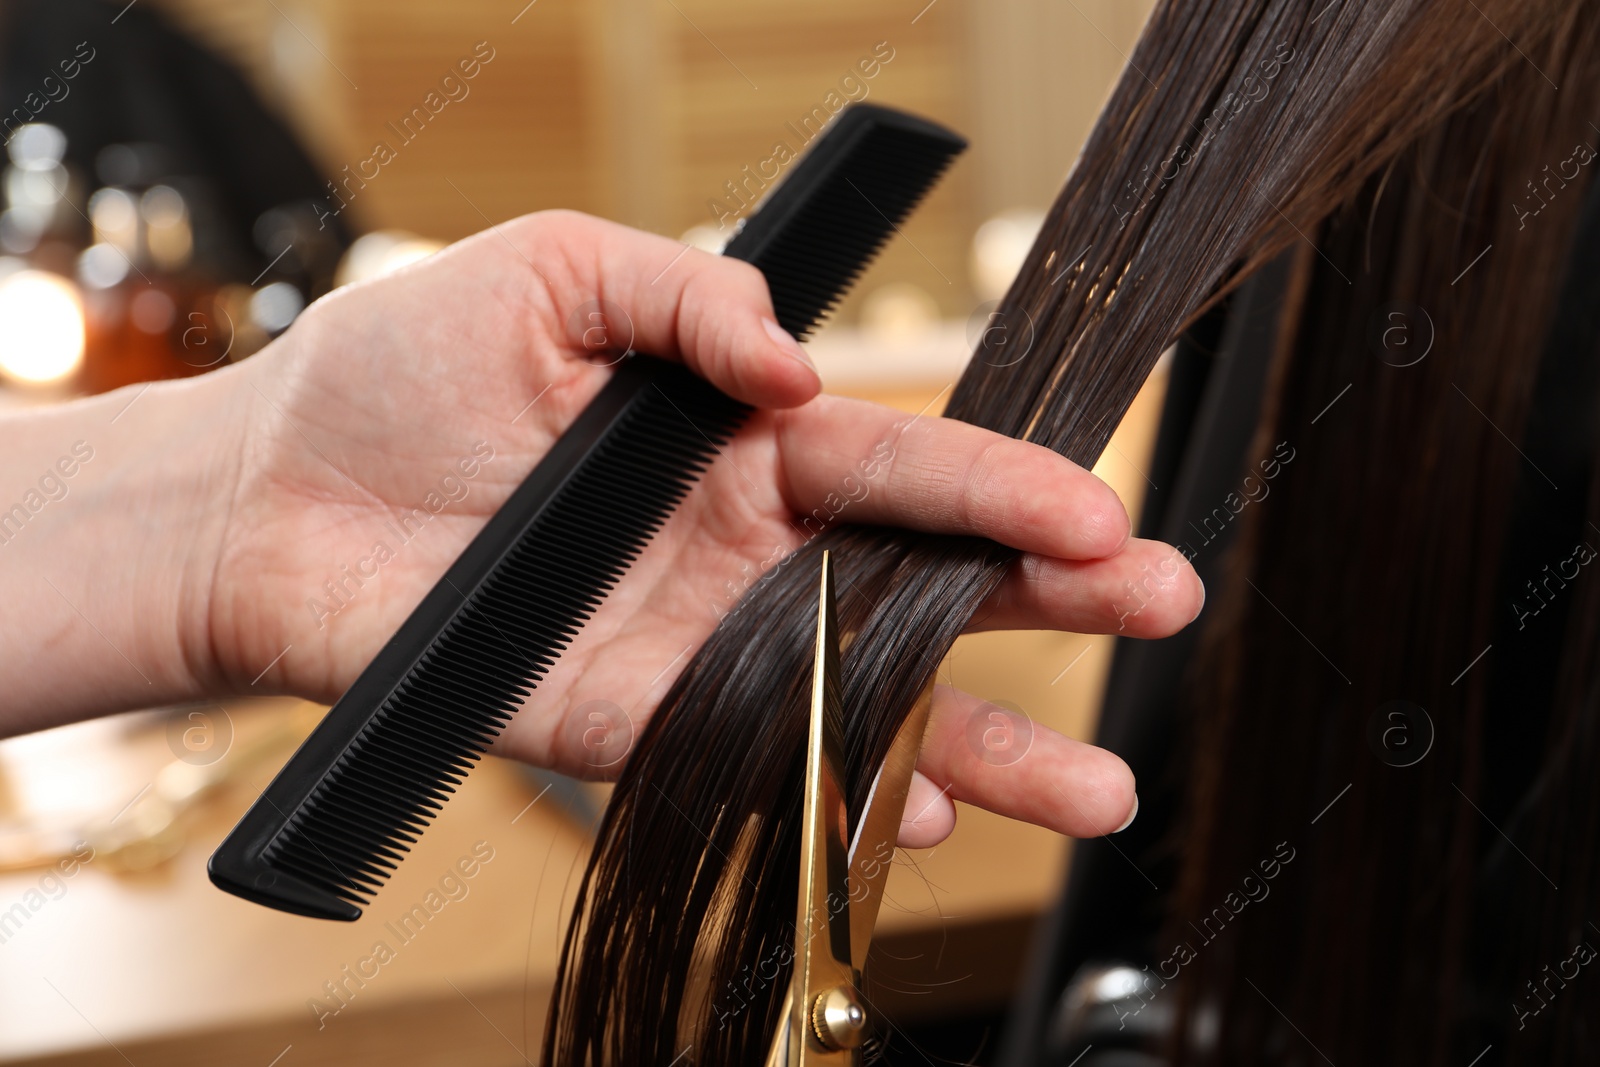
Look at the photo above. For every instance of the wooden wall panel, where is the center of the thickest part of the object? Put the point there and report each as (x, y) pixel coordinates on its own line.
(517, 142)
(642, 110)
(795, 58)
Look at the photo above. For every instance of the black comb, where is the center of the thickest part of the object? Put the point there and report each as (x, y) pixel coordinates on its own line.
(328, 831)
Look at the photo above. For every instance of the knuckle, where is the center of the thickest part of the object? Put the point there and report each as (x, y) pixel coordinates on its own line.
(557, 218)
(978, 505)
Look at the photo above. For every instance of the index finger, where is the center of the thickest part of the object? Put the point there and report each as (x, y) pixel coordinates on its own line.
(944, 476)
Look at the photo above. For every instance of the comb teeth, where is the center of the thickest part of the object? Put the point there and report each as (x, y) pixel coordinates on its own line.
(345, 809)
(359, 820)
(813, 266)
(813, 261)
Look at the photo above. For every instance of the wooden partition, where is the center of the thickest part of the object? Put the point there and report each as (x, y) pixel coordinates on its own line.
(664, 113)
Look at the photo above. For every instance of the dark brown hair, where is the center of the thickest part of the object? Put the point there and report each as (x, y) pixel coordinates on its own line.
(1238, 126)
(1407, 562)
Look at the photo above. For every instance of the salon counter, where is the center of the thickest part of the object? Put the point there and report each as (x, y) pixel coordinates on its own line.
(452, 963)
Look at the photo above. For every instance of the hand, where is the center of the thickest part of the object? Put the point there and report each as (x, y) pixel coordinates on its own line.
(372, 441)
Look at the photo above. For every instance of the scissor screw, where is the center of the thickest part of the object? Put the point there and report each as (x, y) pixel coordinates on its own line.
(838, 1019)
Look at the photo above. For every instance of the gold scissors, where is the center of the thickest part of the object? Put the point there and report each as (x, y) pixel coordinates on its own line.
(826, 1017)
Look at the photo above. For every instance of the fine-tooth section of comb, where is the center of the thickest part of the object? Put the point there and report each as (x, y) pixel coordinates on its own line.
(814, 234)
(332, 826)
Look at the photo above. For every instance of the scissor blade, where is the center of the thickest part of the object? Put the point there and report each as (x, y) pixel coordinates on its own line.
(873, 848)
(822, 926)
(826, 858)
(784, 1050)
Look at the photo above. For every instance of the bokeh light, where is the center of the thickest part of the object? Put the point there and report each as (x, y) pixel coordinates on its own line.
(41, 327)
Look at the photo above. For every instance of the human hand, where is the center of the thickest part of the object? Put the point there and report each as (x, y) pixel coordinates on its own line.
(454, 376)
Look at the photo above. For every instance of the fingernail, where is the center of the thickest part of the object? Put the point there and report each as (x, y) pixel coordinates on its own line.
(1132, 815)
(785, 340)
(1202, 606)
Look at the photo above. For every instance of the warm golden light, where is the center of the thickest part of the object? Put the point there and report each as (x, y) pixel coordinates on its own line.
(41, 327)
(169, 237)
(999, 247)
(115, 216)
(382, 252)
(899, 311)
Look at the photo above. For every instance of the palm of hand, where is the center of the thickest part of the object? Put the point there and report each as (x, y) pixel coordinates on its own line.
(353, 499)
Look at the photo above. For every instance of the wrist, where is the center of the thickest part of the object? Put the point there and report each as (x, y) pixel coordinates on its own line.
(112, 514)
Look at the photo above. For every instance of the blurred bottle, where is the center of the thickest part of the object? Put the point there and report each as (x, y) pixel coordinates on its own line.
(40, 193)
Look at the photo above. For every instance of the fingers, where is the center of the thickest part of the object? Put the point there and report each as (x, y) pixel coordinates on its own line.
(865, 463)
(930, 814)
(851, 461)
(981, 753)
(672, 301)
(1146, 590)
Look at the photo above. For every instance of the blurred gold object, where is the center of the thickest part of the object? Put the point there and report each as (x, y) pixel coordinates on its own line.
(151, 828)
(168, 235)
(899, 312)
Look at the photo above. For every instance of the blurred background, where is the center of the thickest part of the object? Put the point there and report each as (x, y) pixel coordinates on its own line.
(182, 177)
